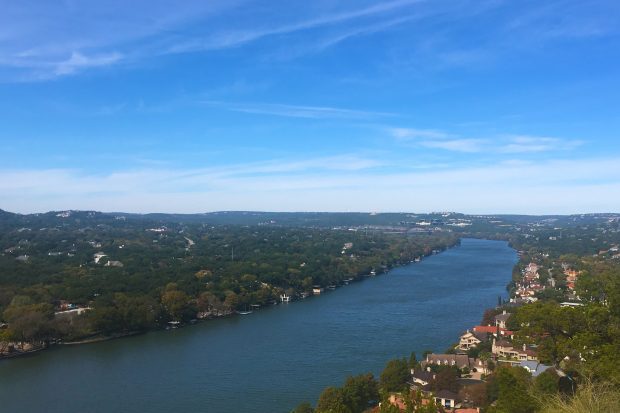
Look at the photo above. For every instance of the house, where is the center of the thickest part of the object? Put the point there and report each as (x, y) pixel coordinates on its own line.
(113, 264)
(479, 366)
(470, 339)
(571, 304)
(486, 330)
(447, 399)
(98, 256)
(421, 378)
(316, 290)
(500, 319)
(459, 361)
(534, 367)
(505, 350)
(72, 312)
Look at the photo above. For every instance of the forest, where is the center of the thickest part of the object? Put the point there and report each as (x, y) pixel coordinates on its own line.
(122, 274)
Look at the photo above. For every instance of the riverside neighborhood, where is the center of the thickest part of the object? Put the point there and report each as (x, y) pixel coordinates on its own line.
(329, 206)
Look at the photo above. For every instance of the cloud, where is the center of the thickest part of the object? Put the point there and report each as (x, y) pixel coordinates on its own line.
(526, 143)
(410, 133)
(298, 111)
(500, 144)
(229, 39)
(458, 145)
(79, 61)
(36, 36)
(323, 184)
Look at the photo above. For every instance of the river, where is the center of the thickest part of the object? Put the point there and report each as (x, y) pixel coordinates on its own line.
(273, 359)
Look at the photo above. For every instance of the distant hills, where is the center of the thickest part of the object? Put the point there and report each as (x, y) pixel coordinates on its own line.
(309, 219)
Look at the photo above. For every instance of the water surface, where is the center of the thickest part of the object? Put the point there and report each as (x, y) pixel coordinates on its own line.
(275, 358)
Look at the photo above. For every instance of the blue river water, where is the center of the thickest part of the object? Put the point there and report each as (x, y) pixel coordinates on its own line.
(273, 359)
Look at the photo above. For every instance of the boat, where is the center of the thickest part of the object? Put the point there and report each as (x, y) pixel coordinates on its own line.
(245, 312)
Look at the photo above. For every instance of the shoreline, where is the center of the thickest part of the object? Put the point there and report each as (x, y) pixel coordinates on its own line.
(93, 340)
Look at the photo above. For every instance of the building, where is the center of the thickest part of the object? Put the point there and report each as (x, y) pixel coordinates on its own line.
(500, 319)
(459, 361)
(447, 399)
(534, 367)
(470, 340)
(504, 349)
(421, 378)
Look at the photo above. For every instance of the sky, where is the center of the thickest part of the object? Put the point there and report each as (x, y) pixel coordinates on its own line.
(475, 106)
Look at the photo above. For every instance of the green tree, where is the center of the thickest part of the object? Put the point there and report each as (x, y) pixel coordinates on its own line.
(175, 303)
(332, 400)
(395, 375)
(547, 382)
(512, 391)
(413, 361)
(360, 392)
(304, 408)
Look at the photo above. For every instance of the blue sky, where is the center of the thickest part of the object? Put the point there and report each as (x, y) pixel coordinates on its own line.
(484, 106)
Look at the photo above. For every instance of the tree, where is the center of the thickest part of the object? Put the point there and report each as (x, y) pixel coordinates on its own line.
(395, 375)
(231, 301)
(476, 393)
(29, 322)
(332, 400)
(413, 361)
(547, 382)
(360, 392)
(446, 379)
(304, 408)
(175, 303)
(512, 391)
(488, 318)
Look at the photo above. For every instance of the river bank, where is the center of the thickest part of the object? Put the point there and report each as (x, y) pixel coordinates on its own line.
(298, 297)
(300, 348)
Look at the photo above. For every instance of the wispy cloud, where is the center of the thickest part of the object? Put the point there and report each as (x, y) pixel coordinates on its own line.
(526, 143)
(236, 38)
(298, 111)
(501, 144)
(56, 38)
(411, 133)
(79, 61)
(492, 188)
(458, 145)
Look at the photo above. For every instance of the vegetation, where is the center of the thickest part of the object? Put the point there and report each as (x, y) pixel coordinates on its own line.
(127, 273)
(580, 342)
(134, 273)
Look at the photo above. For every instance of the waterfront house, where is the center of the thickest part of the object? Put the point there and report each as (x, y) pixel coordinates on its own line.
(500, 319)
(486, 331)
(459, 361)
(471, 339)
(503, 349)
(317, 289)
